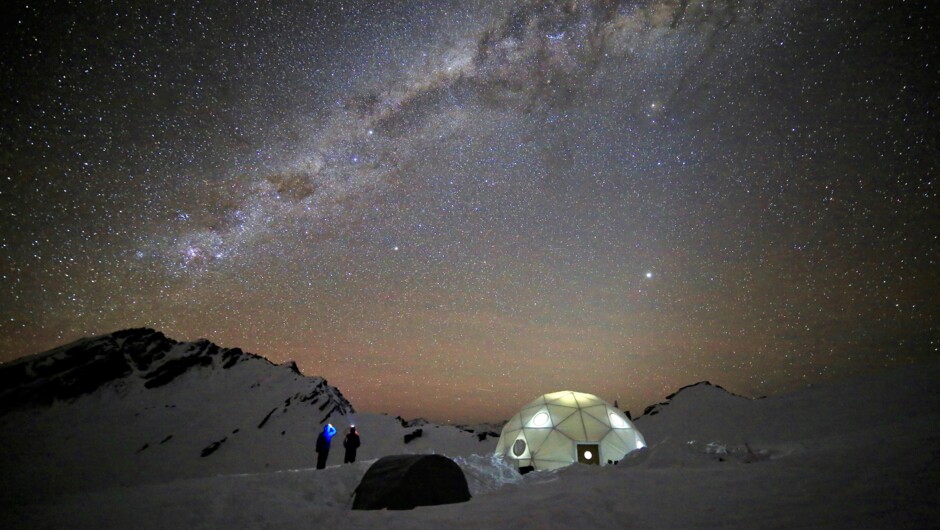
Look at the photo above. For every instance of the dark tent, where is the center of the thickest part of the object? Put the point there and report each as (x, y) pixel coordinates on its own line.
(401, 482)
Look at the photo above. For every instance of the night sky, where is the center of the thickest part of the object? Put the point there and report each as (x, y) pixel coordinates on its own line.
(449, 208)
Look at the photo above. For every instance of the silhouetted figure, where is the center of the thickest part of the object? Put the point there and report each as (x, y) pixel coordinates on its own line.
(323, 445)
(351, 443)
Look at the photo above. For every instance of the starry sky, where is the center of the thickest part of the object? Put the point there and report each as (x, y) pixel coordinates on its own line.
(449, 208)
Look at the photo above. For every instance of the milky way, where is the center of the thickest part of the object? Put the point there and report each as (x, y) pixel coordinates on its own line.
(450, 208)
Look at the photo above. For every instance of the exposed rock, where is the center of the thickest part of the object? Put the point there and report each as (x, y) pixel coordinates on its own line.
(417, 422)
(213, 447)
(78, 368)
(231, 357)
(266, 418)
(482, 436)
(133, 358)
(170, 370)
(292, 365)
(412, 435)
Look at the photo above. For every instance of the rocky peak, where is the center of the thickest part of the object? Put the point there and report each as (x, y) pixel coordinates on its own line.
(136, 357)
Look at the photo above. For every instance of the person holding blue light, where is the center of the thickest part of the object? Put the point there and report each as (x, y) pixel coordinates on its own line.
(323, 445)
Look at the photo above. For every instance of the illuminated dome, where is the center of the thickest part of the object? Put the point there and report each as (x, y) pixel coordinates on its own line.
(565, 427)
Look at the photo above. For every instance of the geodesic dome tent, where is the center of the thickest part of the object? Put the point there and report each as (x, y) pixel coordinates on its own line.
(565, 427)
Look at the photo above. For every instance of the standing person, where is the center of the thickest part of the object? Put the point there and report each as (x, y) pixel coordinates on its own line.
(351, 443)
(323, 445)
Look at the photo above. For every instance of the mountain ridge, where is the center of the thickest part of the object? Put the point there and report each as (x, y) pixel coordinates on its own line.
(130, 357)
(717, 390)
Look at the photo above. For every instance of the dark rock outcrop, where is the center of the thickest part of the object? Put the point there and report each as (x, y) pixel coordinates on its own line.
(417, 422)
(412, 435)
(482, 436)
(170, 370)
(266, 418)
(211, 448)
(79, 368)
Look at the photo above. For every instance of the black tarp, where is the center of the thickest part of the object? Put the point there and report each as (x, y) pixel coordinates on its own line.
(402, 482)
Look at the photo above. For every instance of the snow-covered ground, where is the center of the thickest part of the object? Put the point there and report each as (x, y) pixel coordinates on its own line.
(862, 453)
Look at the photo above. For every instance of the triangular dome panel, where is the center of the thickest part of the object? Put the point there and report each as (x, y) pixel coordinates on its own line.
(527, 414)
(560, 413)
(555, 396)
(514, 424)
(593, 428)
(598, 412)
(615, 444)
(506, 440)
(572, 427)
(566, 399)
(586, 400)
(631, 437)
(556, 446)
(536, 437)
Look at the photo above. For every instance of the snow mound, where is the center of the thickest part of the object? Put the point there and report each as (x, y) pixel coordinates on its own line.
(487, 473)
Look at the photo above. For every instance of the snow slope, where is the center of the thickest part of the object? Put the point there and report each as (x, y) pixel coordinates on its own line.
(135, 407)
(861, 453)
